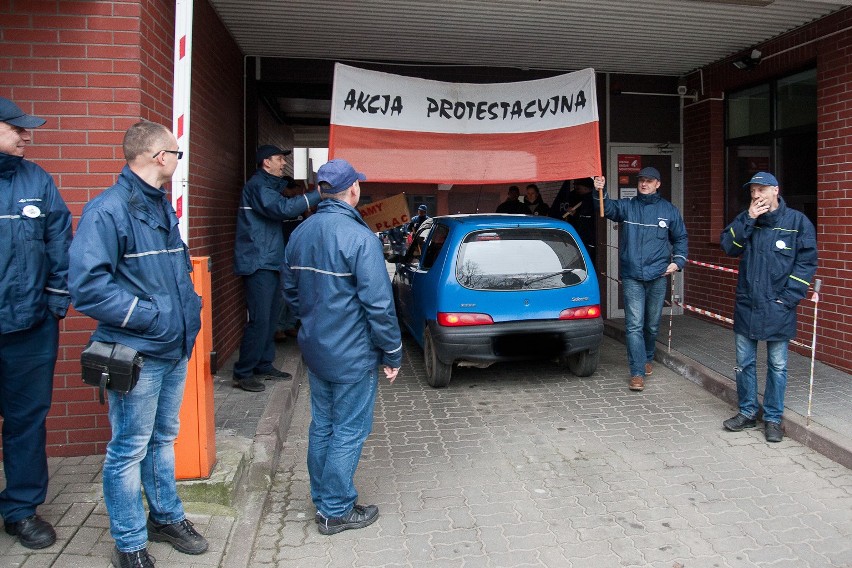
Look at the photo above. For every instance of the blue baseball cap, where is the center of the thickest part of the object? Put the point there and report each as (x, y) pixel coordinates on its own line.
(650, 173)
(339, 174)
(267, 151)
(10, 113)
(761, 178)
(422, 207)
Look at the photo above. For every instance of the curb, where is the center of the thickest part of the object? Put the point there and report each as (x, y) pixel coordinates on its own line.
(252, 488)
(815, 436)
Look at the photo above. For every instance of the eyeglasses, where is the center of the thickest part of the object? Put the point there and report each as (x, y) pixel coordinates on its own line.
(178, 153)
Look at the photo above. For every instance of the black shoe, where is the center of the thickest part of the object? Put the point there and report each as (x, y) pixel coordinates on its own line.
(773, 432)
(32, 532)
(250, 384)
(138, 559)
(180, 535)
(359, 517)
(274, 373)
(739, 422)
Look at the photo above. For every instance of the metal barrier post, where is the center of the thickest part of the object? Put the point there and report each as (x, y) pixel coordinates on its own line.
(815, 298)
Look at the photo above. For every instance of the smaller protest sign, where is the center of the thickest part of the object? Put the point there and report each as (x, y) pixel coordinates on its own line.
(386, 214)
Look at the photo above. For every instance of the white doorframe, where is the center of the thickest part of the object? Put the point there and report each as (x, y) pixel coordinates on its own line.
(675, 151)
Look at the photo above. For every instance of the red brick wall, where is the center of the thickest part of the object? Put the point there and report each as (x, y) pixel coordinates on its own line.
(77, 65)
(93, 68)
(822, 44)
(215, 177)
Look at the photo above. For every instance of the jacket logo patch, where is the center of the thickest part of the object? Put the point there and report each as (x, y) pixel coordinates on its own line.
(31, 211)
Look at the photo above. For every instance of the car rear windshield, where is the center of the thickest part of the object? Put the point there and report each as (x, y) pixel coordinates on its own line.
(520, 259)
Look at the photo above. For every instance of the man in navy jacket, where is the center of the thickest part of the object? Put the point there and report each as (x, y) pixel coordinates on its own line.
(258, 253)
(129, 270)
(35, 228)
(336, 280)
(652, 245)
(776, 246)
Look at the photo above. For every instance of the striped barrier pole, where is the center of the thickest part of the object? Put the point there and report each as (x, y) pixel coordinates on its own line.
(815, 298)
(714, 266)
(705, 312)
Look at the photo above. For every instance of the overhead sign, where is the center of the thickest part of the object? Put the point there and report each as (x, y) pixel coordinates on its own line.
(405, 129)
(386, 213)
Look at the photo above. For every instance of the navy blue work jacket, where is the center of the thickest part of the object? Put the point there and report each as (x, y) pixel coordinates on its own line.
(652, 235)
(35, 229)
(336, 281)
(778, 259)
(130, 271)
(260, 238)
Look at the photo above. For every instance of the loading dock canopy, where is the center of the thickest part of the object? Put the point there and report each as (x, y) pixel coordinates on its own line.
(660, 37)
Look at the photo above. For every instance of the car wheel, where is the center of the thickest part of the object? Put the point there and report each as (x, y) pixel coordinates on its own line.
(437, 373)
(584, 363)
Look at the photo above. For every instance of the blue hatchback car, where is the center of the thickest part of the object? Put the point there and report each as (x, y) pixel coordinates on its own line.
(478, 289)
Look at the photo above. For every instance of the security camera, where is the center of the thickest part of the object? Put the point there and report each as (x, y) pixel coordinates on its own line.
(681, 90)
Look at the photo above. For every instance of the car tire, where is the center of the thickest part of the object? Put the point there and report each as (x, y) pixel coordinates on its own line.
(584, 363)
(437, 373)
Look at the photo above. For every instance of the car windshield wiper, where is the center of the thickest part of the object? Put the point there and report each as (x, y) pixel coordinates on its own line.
(548, 275)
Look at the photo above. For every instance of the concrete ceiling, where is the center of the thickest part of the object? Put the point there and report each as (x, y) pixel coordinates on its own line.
(657, 37)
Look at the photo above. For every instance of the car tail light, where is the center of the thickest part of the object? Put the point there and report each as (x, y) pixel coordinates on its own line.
(583, 312)
(456, 319)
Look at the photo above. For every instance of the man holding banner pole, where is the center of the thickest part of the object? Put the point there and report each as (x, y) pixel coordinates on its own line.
(652, 245)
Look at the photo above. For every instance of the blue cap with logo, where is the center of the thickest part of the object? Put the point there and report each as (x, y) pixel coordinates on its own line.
(650, 173)
(761, 178)
(339, 174)
(422, 207)
(10, 113)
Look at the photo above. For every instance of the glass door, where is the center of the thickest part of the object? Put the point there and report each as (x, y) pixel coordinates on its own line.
(625, 161)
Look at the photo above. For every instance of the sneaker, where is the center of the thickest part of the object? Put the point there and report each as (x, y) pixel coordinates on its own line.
(137, 559)
(773, 432)
(637, 383)
(359, 517)
(32, 532)
(739, 422)
(250, 384)
(649, 369)
(274, 373)
(182, 536)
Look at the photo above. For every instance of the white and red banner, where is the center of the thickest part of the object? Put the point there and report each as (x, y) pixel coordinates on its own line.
(403, 129)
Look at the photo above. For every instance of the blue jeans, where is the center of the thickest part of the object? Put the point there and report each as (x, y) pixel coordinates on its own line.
(27, 359)
(263, 301)
(141, 453)
(287, 319)
(643, 306)
(776, 378)
(341, 420)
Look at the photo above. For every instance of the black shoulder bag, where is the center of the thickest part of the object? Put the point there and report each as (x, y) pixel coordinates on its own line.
(110, 366)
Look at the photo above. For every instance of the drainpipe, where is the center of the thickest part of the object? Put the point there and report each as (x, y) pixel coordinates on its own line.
(180, 112)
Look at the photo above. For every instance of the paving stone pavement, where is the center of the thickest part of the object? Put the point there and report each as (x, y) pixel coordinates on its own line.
(527, 465)
(75, 507)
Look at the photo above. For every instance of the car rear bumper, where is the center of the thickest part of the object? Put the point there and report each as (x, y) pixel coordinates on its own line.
(515, 341)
